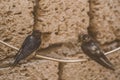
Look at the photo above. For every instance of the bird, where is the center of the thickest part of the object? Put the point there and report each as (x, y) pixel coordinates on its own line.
(30, 44)
(92, 49)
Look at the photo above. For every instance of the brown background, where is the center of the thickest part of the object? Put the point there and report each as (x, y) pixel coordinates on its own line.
(63, 20)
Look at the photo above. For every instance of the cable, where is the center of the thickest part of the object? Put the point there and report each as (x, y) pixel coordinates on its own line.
(59, 60)
(8, 45)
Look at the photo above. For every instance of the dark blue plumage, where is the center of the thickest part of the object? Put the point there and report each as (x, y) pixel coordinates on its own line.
(30, 44)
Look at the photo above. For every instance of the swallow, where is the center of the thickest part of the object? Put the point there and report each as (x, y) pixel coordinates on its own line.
(91, 48)
(30, 44)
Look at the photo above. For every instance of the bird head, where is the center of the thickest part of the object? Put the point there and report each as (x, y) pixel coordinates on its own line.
(85, 38)
(36, 33)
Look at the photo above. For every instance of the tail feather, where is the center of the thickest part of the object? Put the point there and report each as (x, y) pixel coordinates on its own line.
(15, 62)
(105, 64)
(106, 60)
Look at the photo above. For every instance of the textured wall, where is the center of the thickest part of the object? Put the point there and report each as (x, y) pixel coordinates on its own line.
(62, 21)
(16, 22)
(105, 20)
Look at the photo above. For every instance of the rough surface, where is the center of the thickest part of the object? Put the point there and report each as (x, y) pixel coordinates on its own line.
(60, 21)
(90, 70)
(34, 70)
(105, 20)
(63, 19)
(16, 22)
(115, 23)
(105, 27)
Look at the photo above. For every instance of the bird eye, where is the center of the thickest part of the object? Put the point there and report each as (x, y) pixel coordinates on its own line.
(85, 37)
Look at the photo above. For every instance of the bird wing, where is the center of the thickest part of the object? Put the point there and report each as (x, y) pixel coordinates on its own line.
(23, 45)
(29, 46)
(93, 51)
(99, 53)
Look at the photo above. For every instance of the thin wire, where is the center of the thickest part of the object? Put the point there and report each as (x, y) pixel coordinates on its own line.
(59, 60)
(45, 57)
(112, 51)
(8, 45)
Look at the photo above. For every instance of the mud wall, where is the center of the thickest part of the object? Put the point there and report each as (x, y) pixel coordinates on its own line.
(60, 21)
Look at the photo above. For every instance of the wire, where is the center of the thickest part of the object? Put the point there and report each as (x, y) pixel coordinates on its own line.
(114, 50)
(8, 45)
(59, 60)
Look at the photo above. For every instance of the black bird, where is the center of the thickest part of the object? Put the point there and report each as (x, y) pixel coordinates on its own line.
(91, 48)
(30, 44)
